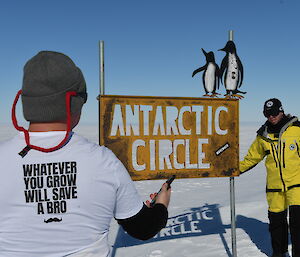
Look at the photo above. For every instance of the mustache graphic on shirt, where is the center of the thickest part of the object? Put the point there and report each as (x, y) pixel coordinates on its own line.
(53, 220)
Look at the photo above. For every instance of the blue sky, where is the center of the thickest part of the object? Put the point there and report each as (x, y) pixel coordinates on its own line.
(152, 47)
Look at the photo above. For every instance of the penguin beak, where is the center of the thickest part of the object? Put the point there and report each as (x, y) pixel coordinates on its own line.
(222, 49)
(205, 53)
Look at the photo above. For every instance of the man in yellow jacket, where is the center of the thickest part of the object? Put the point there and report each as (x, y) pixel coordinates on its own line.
(278, 141)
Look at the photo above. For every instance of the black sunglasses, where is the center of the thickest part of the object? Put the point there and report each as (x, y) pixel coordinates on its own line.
(271, 113)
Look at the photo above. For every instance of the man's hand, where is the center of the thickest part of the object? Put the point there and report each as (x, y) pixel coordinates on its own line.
(163, 197)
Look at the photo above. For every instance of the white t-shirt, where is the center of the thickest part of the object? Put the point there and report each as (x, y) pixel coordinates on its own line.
(61, 203)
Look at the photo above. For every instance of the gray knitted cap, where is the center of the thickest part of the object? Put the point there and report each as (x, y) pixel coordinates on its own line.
(47, 77)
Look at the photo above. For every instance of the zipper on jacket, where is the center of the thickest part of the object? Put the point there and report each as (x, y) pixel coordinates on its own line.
(283, 154)
(280, 170)
(297, 148)
(273, 154)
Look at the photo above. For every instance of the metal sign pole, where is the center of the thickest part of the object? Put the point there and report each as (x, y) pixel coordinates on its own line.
(101, 77)
(233, 225)
(232, 199)
(101, 59)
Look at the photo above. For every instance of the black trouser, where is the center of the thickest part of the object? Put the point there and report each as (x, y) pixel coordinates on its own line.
(294, 214)
(279, 230)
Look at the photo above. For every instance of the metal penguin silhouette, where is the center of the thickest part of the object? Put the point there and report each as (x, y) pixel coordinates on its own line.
(231, 71)
(210, 76)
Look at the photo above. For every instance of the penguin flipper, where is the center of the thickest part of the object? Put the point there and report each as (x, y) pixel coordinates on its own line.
(217, 77)
(223, 67)
(241, 71)
(203, 82)
(198, 70)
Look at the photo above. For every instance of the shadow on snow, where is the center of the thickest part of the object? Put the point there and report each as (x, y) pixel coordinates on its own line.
(205, 220)
(201, 221)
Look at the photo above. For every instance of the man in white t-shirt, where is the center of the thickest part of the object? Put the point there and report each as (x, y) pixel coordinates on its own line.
(58, 191)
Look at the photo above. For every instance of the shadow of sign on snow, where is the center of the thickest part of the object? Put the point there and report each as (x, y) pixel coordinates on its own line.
(205, 220)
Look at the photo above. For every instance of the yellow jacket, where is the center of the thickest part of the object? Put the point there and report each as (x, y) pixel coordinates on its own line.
(282, 156)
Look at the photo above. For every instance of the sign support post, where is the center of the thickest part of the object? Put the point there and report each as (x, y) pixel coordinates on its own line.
(101, 76)
(233, 225)
(101, 63)
(232, 199)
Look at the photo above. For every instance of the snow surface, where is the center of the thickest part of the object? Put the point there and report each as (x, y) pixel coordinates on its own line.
(199, 212)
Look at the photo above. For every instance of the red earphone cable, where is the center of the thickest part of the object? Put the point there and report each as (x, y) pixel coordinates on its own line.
(26, 133)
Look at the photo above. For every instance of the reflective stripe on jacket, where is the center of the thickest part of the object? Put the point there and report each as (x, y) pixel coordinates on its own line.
(282, 156)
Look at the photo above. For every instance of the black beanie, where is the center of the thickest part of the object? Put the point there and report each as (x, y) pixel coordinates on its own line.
(272, 107)
(47, 77)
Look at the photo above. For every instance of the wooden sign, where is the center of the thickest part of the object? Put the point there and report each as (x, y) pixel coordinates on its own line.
(156, 137)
